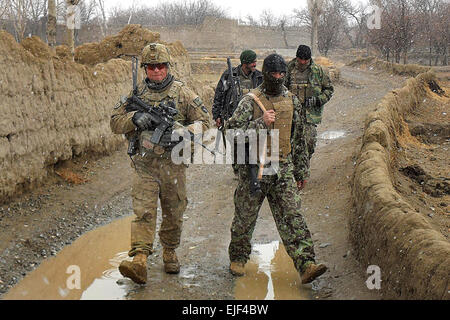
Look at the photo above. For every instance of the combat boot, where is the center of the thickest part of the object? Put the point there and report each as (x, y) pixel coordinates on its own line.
(171, 264)
(313, 271)
(136, 270)
(237, 268)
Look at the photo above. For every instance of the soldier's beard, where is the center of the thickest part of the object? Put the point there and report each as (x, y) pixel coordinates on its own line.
(272, 85)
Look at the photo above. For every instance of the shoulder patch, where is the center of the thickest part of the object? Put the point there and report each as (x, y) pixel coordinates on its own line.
(198, 102)
(122, 101)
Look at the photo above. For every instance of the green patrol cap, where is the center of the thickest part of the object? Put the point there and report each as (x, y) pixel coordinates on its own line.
(248, 56)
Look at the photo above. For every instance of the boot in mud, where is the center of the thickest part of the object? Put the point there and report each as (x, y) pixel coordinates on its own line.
(171, 264)
(136, 270)
(237, 268)
(313, 271)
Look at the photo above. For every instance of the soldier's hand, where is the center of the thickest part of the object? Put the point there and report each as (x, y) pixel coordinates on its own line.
(218, 122)
(269, 117)
(301, 185)
(312, 102)
(142, 120)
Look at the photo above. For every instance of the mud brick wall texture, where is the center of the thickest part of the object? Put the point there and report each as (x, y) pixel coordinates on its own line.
(385, 230)
(411, 70)
(54, 109)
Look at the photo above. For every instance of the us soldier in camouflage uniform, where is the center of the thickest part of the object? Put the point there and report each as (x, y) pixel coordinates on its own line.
(313, 88)
(156, 176)
(284, 113)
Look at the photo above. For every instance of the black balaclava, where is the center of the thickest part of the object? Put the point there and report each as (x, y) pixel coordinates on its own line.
(273, 63)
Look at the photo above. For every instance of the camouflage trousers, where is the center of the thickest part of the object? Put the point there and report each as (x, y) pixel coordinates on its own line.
(284, 200)
(311, 139)
(157, 178)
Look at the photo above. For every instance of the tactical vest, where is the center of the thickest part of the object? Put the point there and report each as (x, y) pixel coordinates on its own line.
(153, 98)
(284, 109)
(300, 84)
(245, 84)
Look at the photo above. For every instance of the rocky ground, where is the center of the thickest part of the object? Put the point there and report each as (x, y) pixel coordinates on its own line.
(38, 225)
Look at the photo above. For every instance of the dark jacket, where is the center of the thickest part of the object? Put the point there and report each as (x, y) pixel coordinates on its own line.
(223, 106)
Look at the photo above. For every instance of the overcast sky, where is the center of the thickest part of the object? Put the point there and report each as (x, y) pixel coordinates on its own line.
(235, 8)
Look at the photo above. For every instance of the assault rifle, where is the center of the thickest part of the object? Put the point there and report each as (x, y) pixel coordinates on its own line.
(162, 116)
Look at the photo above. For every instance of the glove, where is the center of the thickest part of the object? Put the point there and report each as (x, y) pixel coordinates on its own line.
(142, 120)
(312, 102)
(166, 140)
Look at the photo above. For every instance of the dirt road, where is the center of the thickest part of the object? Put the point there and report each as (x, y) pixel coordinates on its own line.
(37, 226)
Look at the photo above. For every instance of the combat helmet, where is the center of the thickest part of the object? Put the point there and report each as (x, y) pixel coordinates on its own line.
(155, 53)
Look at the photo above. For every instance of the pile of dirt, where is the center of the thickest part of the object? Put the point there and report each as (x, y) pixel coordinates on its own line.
(328, 65)
(373, 63)
(130, 42)
(388, 228)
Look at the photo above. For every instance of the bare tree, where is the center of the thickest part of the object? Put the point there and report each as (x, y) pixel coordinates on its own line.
(192, 12)
(104, 23)
(356, 29)
(267, 19)
(330, 24)
(70, 20)
(315, 8)
(433, 17)
(18, 11)
(51, 23)
(3, 10)
(398, 29)
(283, 22)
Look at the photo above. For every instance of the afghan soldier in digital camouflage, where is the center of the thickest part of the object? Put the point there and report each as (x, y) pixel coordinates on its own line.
(246, 77)
(283, 113)
(313, 88)
(156, 176)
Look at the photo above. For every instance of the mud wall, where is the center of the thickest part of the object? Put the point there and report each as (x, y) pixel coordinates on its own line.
(385, 230)
(54, 109)
(411, 70)
(227, 34)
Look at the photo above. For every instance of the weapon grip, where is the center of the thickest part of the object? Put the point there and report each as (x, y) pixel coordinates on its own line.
(159, 131)
(262, 156)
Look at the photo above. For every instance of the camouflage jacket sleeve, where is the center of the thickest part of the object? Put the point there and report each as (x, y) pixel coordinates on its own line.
(192, 110)
(121, 122)
(327, 88)
(298, 142)
(287, 78)
(243, 116)
(219, 97)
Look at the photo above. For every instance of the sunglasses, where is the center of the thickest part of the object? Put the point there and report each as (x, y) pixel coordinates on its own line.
(158, 66)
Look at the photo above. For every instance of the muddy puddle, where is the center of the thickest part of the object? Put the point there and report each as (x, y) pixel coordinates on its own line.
(88, 269)
(270, 275)
(332, 135)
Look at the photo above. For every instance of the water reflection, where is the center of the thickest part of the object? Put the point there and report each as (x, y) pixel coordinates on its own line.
(87, 269)
(270, 275)
(332, 135)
